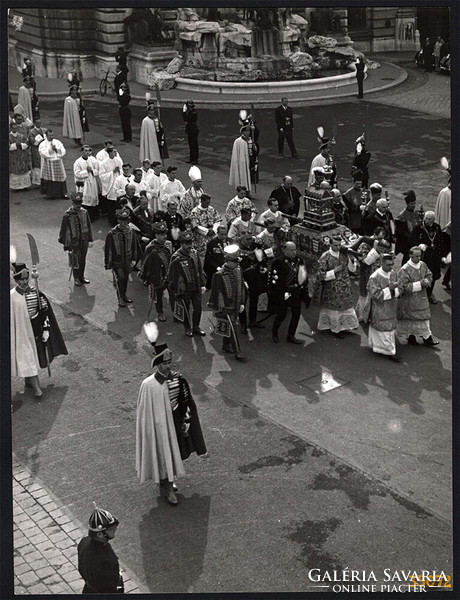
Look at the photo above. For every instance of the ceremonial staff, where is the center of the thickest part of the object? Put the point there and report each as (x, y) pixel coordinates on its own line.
(35, 257)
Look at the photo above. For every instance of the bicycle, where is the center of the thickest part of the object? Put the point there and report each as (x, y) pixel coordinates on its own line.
(106, 82)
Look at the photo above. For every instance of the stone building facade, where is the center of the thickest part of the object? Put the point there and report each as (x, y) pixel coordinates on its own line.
(59, 39)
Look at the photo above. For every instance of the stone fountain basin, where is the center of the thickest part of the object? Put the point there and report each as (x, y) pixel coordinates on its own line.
(265, 87)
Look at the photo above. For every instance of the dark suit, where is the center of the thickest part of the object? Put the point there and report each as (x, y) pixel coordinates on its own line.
(288, 199)
(285, 126)
(360, 77)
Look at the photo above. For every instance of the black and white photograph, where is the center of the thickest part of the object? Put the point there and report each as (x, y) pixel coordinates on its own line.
(229, 365)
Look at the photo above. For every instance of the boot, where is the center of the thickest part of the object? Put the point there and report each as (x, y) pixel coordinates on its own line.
(412, 340)
(430, 341)
(170, 495)
(36, 386)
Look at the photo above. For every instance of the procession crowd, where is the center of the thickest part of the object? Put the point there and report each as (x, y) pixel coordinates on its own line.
(171, 237)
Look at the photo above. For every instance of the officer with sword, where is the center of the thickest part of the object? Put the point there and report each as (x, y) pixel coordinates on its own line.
(76, 236)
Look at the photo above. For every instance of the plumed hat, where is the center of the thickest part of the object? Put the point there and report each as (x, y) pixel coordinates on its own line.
(18, 268)
(161, 351)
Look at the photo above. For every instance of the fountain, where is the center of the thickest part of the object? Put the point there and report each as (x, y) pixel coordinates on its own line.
(254, 53)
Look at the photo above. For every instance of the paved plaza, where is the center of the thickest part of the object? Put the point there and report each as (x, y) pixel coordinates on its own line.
(358, 477)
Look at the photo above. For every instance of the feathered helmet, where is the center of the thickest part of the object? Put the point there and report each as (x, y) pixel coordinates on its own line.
(150, 102)
(360, 143)
(101, 519)
(161, 351)
(17, 268)
(245, 118)
(446, 165)
(324, 142)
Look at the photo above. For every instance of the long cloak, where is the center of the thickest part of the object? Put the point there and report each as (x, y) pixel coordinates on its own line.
(25, 101)
(157, 449)
(149, 144)
(239, 165)
(24, 356)
(71, 127)
(442, 209)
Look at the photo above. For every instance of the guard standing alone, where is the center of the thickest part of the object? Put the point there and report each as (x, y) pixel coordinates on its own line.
(191, 129)
(97, 562)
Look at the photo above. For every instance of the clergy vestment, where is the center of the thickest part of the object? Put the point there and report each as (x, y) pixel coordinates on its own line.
(149, 144)
(81, 173)
(382, 326)
(239, 165)
(71, 127)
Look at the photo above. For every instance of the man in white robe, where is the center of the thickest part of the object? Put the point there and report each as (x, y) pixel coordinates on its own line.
(239, 165)
(71, 127)
(25, 98)
(321, 160)
(149, 143)
(154, 181)
(171, 188)
(157, 450)
(109, 170)
(86, 171)
(122, 180)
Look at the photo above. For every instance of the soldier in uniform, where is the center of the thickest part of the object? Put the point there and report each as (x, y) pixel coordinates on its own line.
(34, 333)
(174, 223)
(76, 236)
(254, 275)
(97, 562)
(287, 286)
(155, 267)
(187, 281)
(121, 252)
(227, 297)
(214, 257)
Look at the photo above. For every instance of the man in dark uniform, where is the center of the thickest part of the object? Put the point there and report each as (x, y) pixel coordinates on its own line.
(76, 236)
(187, 280)
(97, 562)
(155, 267)
(404, 225)
(254, 275)
(360, 66)
(288, 197)
(287, 286)
(174, 222)
(191, 129)
(121, 253)
(285, 125)
(214, 257)
(143, 218)
(227, 297)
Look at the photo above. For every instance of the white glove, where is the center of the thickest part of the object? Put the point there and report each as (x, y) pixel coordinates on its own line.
(203, 289)
(422, 247)
(287, 295)
(45, 336)
(24, 146)
(241, 308)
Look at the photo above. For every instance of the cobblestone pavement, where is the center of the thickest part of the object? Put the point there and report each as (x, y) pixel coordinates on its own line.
(45, 541)
(425, 92)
